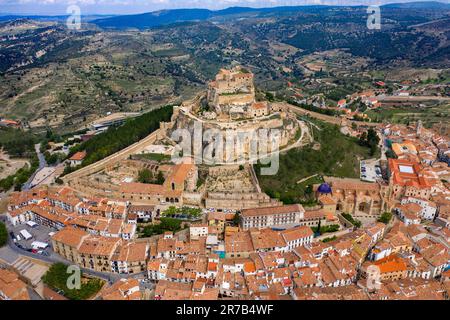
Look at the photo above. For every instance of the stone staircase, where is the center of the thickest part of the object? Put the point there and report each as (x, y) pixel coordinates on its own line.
(30, 270)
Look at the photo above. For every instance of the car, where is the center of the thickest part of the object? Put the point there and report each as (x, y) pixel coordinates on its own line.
(12, 235)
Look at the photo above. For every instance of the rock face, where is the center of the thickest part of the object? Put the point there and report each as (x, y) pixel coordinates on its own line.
(229, 118)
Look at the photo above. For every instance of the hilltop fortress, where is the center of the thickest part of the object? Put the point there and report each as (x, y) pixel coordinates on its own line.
(229, 110)
(233, 94)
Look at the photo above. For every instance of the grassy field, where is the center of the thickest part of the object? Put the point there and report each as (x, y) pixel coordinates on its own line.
(338, 156)
(161, 158)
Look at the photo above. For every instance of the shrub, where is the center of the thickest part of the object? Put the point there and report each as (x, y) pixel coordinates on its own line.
(56, 278)
(3, 234)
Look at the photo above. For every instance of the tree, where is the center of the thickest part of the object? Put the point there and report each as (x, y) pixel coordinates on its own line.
(160, 178)
(370, 140)
(354, 221)
(145, 176)
(57, 278)
(171, 211)
(385, 217)
(319, 227)
(117, 138)
(236, 219)
(372, 137)
(3, 234)
(167, 224)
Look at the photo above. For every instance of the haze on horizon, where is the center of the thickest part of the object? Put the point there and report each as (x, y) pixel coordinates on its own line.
(59, 7)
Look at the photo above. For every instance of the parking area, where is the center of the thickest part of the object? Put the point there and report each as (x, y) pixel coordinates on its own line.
(38, 233)
(370, 170)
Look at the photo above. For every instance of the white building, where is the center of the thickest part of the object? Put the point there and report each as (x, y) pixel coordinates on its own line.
(296, 237)
(268, 217)
(429, 208)
(198, 230)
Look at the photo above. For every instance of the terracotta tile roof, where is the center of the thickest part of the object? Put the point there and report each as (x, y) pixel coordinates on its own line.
(390, 264)
(133, 252)
(266, 239)
(238, 242)
(123, 289)
(351, 184)
(12, 287)
(407, 173)
(179, 173)
(69, 236)
(326, 200)
(99, 246)
(79, 156)
(299, 232)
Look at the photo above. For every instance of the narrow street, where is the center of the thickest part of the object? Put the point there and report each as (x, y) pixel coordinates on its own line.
(42, 165)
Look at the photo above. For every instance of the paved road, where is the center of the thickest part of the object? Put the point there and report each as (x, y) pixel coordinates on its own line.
(11, 252)
(42, 165)
(53, 258)
(413, 98)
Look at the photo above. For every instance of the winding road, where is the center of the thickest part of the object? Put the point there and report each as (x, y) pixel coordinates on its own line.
(42, 165)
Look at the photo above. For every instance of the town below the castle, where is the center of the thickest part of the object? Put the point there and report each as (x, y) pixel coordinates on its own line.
(140, 226)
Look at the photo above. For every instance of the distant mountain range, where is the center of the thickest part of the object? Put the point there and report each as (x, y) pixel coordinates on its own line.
(86, 18)
(166, 17)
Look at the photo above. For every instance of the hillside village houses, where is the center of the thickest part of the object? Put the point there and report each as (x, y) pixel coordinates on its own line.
(273, 251)
(77, 158)
(11, 287)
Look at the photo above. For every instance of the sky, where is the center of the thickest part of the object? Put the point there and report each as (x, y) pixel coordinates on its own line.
(60, 7)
